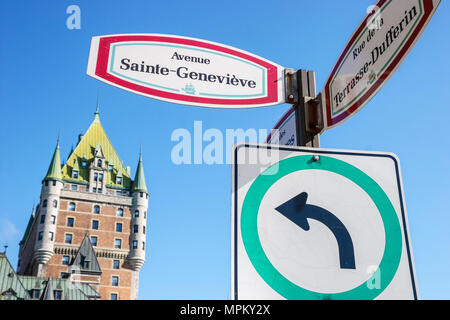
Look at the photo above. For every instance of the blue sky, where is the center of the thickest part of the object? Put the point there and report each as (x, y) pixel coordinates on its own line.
(44, 90)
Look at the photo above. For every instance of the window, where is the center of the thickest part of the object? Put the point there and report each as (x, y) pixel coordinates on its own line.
(40, 235)
(65, 260)
(44, 204)
(135, 228)
(94, 241)
(145, 214)
(94, 190)
(95, 176)
(120, 212)
(95, 224)
(99, 163)
(55, 204)
(135, 244)
(118, 227)
(43, 218)
(110, 168)
(68, 238)
(57, 294)
(64, 275)
(35, 293)
(72, 206)
(53, 219)
(50, 236)
(114, 296)
(74, 187)
(54, 182)
(86, 265)
(75, 174)
(100, 177)
(70, 222)
(143, 229)
(118, 243)
(118, 193)
(99, 190)
(96, 209)
(116, 264)
(119, 180)
(136, 214)
(141, 194)
(143, 245)
(115, 281)
(46, 183)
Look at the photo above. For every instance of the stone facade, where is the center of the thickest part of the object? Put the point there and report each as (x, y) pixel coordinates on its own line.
(89, 197)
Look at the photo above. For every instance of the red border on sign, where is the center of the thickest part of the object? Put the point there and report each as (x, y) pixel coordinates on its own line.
(428, 9)
(280, 122)
(104, 52)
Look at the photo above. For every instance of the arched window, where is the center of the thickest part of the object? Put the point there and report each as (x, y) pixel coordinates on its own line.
(55, 204)
(44, 204)
(136, 213)
(72, 206)
(120, 212)
(96, 209)
(99, 163)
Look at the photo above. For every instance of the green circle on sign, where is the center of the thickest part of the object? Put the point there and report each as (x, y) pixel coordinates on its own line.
(252, 243)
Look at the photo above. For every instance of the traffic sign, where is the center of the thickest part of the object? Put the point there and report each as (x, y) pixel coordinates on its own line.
(319, 224)
(375, 51)
(186, 71)
(284, 132)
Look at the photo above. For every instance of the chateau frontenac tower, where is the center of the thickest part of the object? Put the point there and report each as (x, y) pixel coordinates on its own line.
(90, 224)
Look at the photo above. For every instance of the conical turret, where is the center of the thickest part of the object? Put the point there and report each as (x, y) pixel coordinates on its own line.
(136, 257)
(48, 212)
(54, 169)
(139, 184)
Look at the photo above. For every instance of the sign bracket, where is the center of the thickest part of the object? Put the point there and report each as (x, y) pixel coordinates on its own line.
(308, 109)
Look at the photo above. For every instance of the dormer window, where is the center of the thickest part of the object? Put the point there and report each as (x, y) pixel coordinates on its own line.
(99, 163)
(119, 180)
(75, 174)
(83, 163)
(110, 168)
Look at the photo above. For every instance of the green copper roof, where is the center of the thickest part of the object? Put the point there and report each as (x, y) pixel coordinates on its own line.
(80, 291)
(139, 179)
(95, 140)
(54, 170)
(10, 285)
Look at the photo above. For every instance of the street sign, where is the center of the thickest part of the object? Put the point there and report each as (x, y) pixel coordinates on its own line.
(284, 131)
(319, 224)
(186, 71)
(375, 51)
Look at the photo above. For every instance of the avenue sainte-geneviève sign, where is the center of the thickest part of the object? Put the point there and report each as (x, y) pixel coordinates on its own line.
(186, 71)
(375, 51)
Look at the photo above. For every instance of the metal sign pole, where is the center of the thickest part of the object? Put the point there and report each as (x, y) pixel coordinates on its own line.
(308, 111)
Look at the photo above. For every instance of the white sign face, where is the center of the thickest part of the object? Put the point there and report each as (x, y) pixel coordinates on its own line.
(284, 132)
(373, 54)
(186, 70)
(319, 224)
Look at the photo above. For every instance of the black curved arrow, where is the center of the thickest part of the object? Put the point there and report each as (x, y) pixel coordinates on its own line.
(298, 212)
